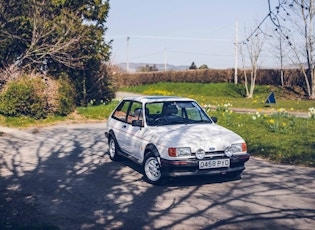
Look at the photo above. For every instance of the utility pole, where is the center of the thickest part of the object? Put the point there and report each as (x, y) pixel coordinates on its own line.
(127, 62)
(236, 51)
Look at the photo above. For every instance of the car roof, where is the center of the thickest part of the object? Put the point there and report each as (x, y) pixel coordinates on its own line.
(150, 99)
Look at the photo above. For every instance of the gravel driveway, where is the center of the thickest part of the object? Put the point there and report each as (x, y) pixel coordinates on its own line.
(60, 177)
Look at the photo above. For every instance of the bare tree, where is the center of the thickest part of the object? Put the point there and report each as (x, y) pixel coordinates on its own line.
(307, 12)
(243, 60)
(279, 46)
(294, 21)
(302, 42)
(253, 47)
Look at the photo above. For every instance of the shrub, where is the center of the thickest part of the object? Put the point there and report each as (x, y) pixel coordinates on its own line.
(66, 97)
(36, 97)
(24, 97)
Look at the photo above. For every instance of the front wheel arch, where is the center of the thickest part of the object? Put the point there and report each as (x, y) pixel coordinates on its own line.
(150, 148)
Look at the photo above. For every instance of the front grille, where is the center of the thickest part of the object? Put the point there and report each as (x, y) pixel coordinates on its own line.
(212, 154)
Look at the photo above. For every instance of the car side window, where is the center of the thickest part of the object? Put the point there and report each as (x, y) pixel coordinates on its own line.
(121, 111)
(135, 112)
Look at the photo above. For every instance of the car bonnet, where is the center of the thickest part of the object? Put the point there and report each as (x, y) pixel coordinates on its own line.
(210, 137)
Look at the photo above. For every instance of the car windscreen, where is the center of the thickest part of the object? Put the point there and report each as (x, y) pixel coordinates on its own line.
(175, 112)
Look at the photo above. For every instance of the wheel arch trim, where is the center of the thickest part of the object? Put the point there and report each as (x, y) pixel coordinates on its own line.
(150, 148)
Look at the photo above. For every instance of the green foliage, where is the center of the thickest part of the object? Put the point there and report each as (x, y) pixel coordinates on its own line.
(36, 26)
(24, 97)
(24, 121)
(99, 112)
(203, 66)
(93, 85)
(200, 89)
(30, 97)
(285, 139)
(66, 97)
(60, 36)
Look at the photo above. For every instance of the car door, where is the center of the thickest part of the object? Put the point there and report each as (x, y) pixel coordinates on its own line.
(128, 137)
(119, 124)
(133, 134)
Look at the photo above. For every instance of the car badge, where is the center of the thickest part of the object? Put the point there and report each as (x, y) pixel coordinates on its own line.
(211, 148)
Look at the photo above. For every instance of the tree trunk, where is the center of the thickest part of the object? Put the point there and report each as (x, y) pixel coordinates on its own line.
(312, 94)
(84, 102)
(282, 78)
(246, 83)
(252, 83)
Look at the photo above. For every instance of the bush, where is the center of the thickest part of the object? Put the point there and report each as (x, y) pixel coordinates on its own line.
(66, 97)
(34, 97)
(24, 97)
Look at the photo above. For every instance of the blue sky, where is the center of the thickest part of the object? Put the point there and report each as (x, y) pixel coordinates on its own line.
(182, 31)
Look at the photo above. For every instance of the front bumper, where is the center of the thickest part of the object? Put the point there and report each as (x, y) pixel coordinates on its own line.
(191, 166)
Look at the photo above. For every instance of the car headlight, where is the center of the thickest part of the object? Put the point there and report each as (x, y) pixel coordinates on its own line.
(179, 152)
(235, 148)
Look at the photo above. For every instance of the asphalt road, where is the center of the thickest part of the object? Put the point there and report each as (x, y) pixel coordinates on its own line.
(60, 177)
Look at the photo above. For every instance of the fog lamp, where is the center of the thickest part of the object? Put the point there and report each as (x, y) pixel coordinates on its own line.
(200, 154)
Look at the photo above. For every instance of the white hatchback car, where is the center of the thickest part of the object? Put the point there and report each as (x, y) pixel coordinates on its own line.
(171, 136)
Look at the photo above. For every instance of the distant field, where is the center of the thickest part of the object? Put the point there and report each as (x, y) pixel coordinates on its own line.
(222, 93)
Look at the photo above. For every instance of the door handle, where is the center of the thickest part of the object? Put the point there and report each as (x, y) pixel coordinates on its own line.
(124, 126)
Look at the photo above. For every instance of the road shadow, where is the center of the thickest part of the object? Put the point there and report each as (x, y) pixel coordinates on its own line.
(62, 178)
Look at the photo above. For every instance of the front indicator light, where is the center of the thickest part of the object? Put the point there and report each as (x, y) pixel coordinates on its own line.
(244, 147)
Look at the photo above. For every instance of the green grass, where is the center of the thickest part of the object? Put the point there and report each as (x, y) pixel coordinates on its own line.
(24, 122)
(278, 137)
(100, 112)
(221, 93)
(82, 114)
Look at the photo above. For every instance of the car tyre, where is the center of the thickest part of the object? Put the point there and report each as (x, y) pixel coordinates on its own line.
(152, 169)
(113, 149)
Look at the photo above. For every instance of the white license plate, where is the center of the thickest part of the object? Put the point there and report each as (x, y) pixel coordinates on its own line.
(209, 164)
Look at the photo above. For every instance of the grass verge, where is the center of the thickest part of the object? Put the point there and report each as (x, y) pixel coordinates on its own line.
(81, 115)
(279, 137)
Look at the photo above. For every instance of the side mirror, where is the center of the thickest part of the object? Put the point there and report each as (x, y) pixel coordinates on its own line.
(137, 123)
(214, 119)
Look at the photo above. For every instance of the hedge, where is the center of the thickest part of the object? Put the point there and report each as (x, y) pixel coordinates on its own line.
(292, 77)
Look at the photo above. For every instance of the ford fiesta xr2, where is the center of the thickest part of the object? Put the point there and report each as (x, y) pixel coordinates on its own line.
(173, 136)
